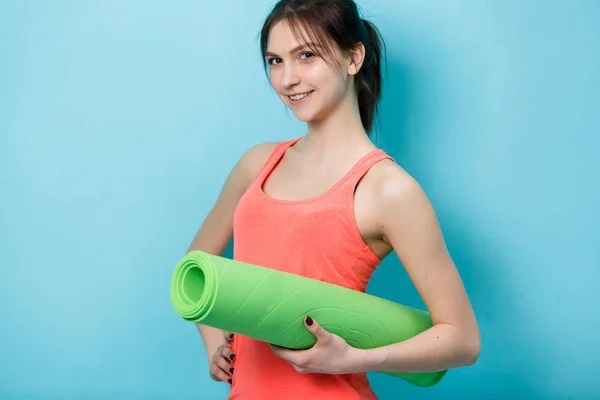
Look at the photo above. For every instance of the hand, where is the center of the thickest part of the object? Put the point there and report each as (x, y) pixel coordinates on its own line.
(221, 365)
(330, 354)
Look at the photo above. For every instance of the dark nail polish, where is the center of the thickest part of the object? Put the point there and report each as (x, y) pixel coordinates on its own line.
(231, 370)
(229, 380)
(309, 321)
(231, 336)
(232, 357)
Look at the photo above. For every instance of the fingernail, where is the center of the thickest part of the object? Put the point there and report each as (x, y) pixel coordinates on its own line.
(232, 357)
(231, 336)
(309, 321)
(229, 380)
(231, 370)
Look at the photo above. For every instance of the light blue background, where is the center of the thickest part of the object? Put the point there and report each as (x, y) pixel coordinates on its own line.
(119, 122)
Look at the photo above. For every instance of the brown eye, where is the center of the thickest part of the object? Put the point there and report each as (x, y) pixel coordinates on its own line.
(270, 60)
(307, 55)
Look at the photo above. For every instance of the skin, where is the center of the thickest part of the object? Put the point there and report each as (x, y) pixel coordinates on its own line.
(391, 209)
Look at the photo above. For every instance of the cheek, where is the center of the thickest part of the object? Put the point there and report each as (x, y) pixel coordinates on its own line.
(274, 79)
(330, 84)
(316, 76)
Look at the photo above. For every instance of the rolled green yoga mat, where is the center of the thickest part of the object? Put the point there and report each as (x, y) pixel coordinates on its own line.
(270, 306)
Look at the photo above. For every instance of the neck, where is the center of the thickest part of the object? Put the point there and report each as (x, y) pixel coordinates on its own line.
(340, 131)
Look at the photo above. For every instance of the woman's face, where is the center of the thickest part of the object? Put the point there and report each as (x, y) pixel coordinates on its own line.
(304, 81)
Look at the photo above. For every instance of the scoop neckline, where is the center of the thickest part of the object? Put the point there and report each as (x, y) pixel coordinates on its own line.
(339, 182)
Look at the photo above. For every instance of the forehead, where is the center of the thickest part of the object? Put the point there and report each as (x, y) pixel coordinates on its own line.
(282, 39)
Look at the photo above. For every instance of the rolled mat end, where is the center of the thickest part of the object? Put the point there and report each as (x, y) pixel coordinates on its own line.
(193, 286)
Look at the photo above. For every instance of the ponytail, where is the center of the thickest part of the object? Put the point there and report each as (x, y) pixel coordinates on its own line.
(369, 78)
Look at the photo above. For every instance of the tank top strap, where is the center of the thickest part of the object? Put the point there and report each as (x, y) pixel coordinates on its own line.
(273, 159)
(360, 169)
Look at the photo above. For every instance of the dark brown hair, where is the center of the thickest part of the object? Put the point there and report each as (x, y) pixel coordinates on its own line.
(339, 21)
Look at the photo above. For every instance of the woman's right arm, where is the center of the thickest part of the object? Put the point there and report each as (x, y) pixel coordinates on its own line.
(216, 231)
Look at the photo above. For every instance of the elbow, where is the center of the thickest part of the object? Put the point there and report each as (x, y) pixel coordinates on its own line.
(472, 348)
(467, 346)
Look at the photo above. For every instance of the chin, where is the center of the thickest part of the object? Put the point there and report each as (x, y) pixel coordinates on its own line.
(308, 114)
(305, 116)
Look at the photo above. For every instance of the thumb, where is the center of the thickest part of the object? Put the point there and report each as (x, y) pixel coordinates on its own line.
(315, 328)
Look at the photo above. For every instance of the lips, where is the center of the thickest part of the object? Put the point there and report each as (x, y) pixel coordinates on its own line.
(298, 97)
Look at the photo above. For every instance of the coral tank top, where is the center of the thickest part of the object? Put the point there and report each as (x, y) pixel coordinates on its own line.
(317, 238)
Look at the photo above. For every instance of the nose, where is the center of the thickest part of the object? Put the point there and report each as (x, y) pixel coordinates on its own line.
(290, 76)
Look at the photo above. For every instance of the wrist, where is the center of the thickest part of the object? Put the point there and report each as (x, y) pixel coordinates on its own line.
(367, 360)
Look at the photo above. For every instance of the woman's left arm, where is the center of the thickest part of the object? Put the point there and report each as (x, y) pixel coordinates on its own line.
(410, 226)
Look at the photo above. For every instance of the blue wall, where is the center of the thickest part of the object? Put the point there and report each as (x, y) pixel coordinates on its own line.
(119, 123)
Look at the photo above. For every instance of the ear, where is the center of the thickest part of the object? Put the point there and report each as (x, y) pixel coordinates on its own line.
(356, 58)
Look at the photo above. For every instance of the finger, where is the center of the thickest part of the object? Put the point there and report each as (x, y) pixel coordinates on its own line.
(225, 365)
(228, 335)
(227, 353)
(284, 353)
(218, 374)
(296, 358)
(316, 329)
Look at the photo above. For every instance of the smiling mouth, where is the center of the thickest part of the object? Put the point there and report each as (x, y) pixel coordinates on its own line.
(299, 97)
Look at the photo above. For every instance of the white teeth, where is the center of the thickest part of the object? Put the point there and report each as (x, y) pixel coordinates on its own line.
(299, 96)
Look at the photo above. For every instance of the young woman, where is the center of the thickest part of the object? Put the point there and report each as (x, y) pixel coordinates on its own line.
(330, 206)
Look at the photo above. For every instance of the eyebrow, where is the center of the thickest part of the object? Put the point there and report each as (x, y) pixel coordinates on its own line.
(295, 49)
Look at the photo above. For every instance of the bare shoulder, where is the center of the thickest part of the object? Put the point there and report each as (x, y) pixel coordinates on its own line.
(400, 202)
(390, 183)
(245, 171)
(255, 157)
